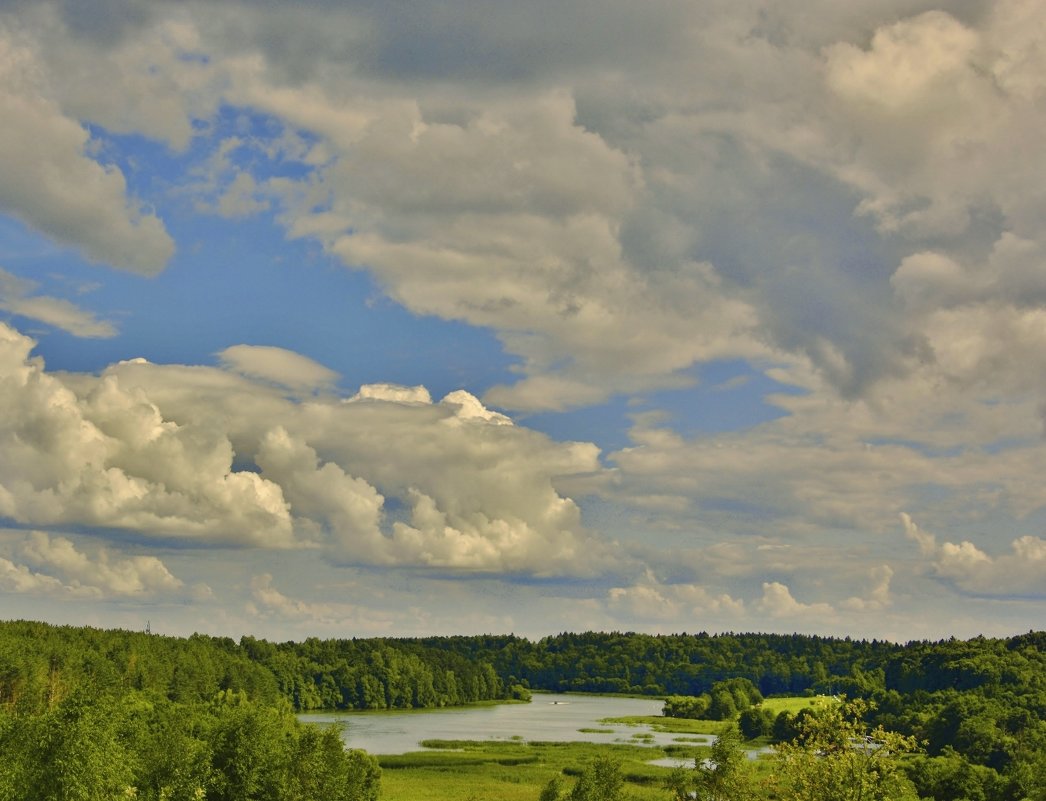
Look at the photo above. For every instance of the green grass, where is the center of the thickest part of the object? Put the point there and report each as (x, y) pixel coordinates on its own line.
(793, 703)
(462, 770)
(673, 725)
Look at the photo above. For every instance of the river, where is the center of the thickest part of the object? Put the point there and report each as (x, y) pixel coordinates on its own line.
(558, 718)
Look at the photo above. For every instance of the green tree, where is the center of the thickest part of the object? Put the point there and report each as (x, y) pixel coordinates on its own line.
(172, 756)
(755, 722)
(250, 749)
(552, 791)
(71, 753)
(724, 776)
(836, 758)
(362, 776)
(600, 781)
(951, 776)
(322, 769)
(723, 706)
(685, 706)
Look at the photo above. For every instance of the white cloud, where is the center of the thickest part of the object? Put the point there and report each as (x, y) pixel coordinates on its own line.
(595, 211)
(777, 602)
(393, 393)
(278, 365)
(152, 449)
(910, 63)
(649, 599)
(849, 197)
(110, 458)
(266, 599)
(269, 604)
(468, 407)
(1022, 572)
(878, 597)
(925, 540)
(52, 184)
(19, 579)
(349, 508)
(17, 297)
(53, 566)
(131, 71)
(135, 575)
(566, 214)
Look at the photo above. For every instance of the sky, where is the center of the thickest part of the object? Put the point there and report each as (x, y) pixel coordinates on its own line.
(350, 319)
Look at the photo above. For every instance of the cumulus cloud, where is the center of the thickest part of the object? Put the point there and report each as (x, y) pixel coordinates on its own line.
(947, 442)
(53, 565)
(470, 408)
(926, 541)
(124, 67)
(52, 183)
(109, 458)
(594, 212)
(393, 393)
(323, 494)
(267, 600)
(136, 575)
(908, 64)
(602, 238)
(777, 602)
(649, 599)
(878, 597)
(1022, 572)
(19, 578)
(390, 478)
(848, 197)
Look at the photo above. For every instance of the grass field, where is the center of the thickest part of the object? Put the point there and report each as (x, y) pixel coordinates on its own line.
(796, 702)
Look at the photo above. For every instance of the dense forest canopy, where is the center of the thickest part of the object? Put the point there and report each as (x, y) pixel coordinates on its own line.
(978, 706)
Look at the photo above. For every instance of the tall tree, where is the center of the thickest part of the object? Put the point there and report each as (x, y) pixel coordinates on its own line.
(836, 758)
(724, 776)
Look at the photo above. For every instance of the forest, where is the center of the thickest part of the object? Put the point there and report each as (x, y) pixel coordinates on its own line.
(88, 713)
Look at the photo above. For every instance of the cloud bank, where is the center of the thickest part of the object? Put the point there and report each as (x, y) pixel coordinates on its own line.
(839, 208)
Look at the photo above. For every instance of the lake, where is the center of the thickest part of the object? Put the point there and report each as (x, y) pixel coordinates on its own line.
(547, 717)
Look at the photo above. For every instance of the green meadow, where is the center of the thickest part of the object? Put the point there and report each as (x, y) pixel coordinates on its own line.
(794, 703)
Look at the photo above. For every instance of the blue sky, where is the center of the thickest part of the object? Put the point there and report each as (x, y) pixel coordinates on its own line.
(528, 317)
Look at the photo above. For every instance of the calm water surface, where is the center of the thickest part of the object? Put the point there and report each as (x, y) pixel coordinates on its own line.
(546, 717)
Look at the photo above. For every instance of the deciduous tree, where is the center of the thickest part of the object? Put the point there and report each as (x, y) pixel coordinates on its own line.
(836, 758)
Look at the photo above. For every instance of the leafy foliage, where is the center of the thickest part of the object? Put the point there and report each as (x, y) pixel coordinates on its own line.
(837, 758)
(724, 776)
(102, 748)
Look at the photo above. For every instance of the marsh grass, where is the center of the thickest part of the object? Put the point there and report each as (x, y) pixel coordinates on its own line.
(510, 770)
(672, 725)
